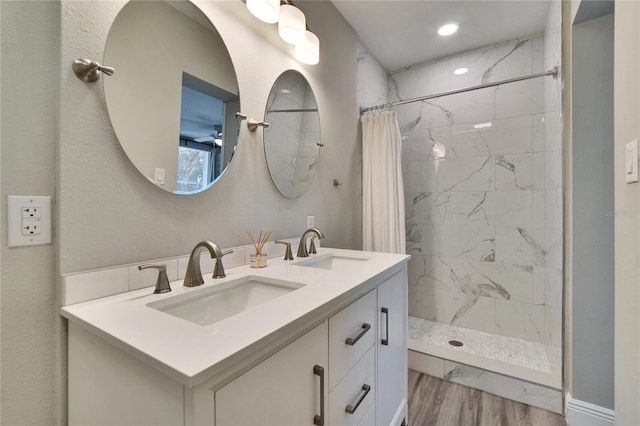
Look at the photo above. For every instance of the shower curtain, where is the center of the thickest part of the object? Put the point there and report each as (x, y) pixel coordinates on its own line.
(382, 192)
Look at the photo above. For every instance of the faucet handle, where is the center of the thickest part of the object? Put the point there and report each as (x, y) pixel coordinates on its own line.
(218, 270)
(162, 283)
(287, 253)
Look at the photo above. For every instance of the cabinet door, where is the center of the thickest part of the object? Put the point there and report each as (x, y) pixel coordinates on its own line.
(288, 388)
(392, 350)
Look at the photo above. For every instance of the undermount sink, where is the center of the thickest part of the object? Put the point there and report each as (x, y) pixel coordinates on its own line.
(210, 305)
(333, 261)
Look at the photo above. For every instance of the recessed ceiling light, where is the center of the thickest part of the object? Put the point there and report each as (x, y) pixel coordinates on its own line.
(460, 71)
(448, 29)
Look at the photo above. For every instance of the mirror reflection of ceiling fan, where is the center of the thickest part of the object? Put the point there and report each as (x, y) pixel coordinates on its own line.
(213, 138)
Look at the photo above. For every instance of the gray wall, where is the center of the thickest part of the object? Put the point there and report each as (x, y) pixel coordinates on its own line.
(30, 37)
(110, 214)
(593, 212)
(56, 136)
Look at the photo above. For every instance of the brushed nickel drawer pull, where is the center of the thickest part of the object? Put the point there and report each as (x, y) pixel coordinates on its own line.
(385, 341)
(353, 340)
(352, 408)
(318, 420)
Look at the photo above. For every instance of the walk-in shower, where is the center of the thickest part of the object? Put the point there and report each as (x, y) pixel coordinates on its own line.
(482, 171)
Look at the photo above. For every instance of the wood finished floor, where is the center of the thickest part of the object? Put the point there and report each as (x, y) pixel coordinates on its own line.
(435, 402)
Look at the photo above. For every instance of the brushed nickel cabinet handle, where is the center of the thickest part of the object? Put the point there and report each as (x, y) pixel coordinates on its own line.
(318, 420)
(385, 311)
(352, 408)
(353, 340)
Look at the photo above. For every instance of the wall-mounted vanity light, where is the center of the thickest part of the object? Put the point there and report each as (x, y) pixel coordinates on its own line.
(292, 26)
(265, 10)
(89, 71)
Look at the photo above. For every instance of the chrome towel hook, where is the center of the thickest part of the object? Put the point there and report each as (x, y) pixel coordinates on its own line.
(89, 71)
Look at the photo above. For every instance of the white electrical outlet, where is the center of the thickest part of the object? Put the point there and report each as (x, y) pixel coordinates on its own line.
(311, 222)
(31, 227)
(29, 220)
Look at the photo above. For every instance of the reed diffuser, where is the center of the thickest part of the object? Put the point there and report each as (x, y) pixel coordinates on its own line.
(258, 259)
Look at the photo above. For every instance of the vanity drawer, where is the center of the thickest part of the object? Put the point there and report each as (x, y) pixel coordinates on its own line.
(351, 400)
(352, 332)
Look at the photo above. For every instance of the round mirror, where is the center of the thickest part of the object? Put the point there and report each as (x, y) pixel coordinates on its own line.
(292, 140)
(174, 94)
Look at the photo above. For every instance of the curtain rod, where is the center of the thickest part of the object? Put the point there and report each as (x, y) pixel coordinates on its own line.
(553, 72)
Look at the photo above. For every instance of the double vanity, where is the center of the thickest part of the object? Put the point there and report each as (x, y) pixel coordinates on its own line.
(314, 341)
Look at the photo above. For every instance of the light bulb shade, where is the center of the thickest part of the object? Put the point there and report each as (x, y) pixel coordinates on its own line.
(292, 24)
(265, 10)
(309, 51)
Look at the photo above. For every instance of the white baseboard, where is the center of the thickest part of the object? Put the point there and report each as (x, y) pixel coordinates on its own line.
(581, 413)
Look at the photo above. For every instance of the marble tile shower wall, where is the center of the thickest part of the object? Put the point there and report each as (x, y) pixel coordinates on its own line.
(476, 175)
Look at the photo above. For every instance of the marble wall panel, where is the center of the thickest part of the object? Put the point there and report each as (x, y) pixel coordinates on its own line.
(539, 285)
(515, 171)
(521, 246)
(496, 280)
(419, 80)
(411, 176)
(521, 320)
(465, 174)
(454, 307)
(373, 82)
(511, 135)
(459, 242)
(509, 208)
(539, 209)
(537, 50)
(429, 175)
(553, 326)
(483, 194)
(503, 136)
(520, 98)
(474, 106)
(426, 144)
(492, 64)
(539, 126)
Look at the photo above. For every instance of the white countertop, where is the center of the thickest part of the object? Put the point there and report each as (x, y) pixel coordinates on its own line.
(191, 353)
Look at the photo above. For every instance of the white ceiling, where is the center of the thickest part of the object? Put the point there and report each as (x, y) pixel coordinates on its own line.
(401, 33)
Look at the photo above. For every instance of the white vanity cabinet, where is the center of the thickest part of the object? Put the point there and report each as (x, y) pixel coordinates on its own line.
(286, 389)
(343, 362)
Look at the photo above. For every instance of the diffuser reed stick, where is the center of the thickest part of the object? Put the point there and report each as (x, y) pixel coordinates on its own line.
(262, 240)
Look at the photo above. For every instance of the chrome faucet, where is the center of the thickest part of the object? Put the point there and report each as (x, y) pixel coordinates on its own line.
(302, 245)
(193, 277)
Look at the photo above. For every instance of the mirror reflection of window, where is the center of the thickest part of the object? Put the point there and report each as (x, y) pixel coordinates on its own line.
(201, 148)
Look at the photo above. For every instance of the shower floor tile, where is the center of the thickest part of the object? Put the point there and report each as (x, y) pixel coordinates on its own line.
(505, 349)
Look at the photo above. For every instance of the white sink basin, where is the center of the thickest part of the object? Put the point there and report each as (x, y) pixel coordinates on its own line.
(210, 305)
(333, 261)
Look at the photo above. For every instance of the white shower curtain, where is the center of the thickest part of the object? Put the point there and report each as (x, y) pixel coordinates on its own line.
(383, 193)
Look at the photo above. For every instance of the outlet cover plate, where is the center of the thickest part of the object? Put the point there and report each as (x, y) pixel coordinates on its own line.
(17, 219)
